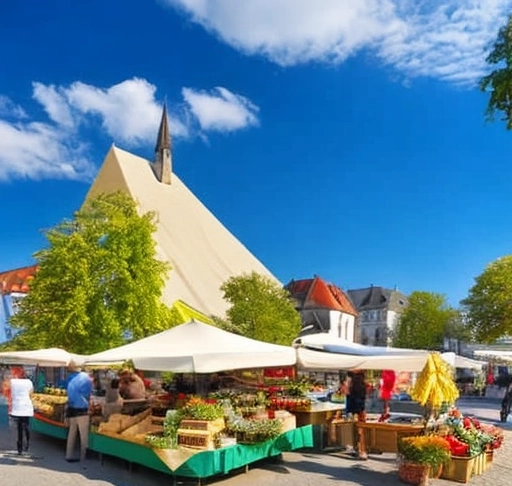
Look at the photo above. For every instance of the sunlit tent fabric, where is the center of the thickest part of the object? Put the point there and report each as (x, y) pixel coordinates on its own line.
(323, 352)
(463, 362)
(40, 357)
(196, 347)
(494, 354)
(202, 252)
(326, 342)
(313, 359)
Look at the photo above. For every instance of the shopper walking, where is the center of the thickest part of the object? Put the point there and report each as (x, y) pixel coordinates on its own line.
(79, 389)
(21, 407)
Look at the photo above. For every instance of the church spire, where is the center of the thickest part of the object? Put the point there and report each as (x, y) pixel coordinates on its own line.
(162, 165)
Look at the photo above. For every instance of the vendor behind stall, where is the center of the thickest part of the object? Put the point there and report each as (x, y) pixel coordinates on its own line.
(131, 386)
(113, 400)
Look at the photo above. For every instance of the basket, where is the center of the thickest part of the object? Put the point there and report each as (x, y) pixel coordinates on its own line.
(413, 473)
(479, 464)
(489, 456)
(459, 469)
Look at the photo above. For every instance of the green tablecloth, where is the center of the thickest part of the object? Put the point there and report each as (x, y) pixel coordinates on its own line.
(47, 428)
(205, 463)
(200, 465)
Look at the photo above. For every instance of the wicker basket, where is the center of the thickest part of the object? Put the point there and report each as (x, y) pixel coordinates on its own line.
(413, 473)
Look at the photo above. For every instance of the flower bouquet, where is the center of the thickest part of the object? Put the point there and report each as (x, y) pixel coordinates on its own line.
(421, 455)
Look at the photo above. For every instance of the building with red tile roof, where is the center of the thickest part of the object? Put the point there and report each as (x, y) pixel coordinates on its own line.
(14, 285)
(324, 308)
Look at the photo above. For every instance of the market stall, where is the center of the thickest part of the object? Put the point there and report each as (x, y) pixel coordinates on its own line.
(198, 445)
(50, 402)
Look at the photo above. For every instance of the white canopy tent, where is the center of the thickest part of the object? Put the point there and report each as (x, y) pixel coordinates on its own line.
(196, 347)
(462, 362)
(323, 352)
(495, 354)
(326, 342)
(311, 359)
(41, 357)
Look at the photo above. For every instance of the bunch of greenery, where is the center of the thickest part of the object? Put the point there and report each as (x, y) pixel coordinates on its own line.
(199, 409)
(297, 388)
(247, 430)
(429, 450)
(158, 441)
(99, 280)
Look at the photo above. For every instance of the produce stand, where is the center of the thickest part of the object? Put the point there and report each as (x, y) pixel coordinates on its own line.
(201, 464)
(185, 462)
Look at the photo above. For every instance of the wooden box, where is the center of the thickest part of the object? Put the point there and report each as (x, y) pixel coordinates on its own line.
(210, 425)
(340, 433)
(383, 437)
(196, 439)
(459, 469)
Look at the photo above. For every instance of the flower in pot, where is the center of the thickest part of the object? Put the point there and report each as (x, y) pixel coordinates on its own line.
(421, 455)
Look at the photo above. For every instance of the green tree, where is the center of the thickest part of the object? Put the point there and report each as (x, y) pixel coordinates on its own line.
(260, 309)
(499, 82)
(489, 302)
(98, 281)
(426, 321)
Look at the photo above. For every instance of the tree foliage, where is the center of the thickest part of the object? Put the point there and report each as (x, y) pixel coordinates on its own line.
(260, 309)
(499, 82)
(489, 302)
(98, 281)
(426, 321)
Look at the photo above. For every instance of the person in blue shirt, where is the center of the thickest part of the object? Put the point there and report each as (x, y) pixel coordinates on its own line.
(79, 390)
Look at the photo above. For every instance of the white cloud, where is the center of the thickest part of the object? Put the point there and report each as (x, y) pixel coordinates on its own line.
(9, 109)
(39, 150)
(220, 110)
(54, 103)
(127, 112)
(447, 40)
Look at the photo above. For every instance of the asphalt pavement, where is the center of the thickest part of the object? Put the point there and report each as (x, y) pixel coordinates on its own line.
(46, 466)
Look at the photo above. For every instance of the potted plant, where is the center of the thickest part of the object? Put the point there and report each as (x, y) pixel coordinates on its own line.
(420, 456)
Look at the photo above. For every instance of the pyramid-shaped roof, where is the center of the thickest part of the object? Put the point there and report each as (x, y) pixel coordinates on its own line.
(203, 253)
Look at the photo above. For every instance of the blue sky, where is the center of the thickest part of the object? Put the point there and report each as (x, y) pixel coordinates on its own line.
(342, 139)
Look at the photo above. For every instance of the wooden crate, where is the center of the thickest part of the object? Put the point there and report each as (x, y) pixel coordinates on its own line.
(459, 469)
(196, 439)
(340, 433)
(210, 425)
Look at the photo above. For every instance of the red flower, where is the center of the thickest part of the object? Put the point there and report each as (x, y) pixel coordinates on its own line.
(457, 447)
(466, 422)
